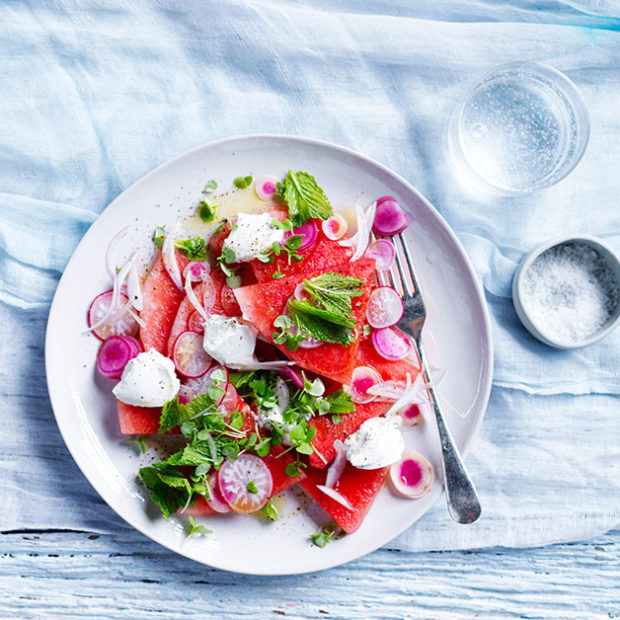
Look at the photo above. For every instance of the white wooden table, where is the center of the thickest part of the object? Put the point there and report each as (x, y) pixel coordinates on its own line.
(73, 574)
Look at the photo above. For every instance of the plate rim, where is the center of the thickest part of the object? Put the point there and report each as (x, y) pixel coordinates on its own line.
(487, 360)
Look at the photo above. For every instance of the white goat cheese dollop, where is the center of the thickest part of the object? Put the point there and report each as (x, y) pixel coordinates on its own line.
(229, 341)
(148, 380)
(377, 443)
(252, 235)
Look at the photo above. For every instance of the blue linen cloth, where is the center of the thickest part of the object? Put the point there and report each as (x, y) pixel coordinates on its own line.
(94, 96)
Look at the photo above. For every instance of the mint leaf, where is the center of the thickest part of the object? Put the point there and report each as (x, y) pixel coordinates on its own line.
(196, 530)
(206, 212)
(159, 236)
(173, 414)
(211, 186)
(334, 291)
(243, 182)
(340, 402)
(330, 532)
(269, 511)
(194, 249)
(294, 469)
(321, 324)
(304, 197)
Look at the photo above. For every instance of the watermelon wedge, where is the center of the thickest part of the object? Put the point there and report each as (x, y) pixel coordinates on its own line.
(161, 301)
(262, 303)
(358, 486)
(137, 420)
(180, 322)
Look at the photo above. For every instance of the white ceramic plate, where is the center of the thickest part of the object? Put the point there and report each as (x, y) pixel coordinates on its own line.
(85, 408)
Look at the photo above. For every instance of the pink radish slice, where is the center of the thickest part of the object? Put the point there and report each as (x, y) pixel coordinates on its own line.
(189, 357)
(383, 253)
(412, 415)
(195, 322)
(293, 376)
(113, 356)
(196, 271)
(363, 378)
(123, 325)
(412, 476)
(385, 307)
(300, 293)
(228, 402)
(391, 344)
(310, 232)
(335, 227)
(134, 344)
(234, 478)
(390, 217)
(215, 500)
(338, 464)
(265, 187)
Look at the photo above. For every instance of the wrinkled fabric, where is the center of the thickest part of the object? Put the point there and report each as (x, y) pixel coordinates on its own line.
(94, 95)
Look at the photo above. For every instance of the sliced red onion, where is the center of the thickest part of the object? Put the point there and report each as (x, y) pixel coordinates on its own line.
(256, 365)
(309, 231)
(391, 343)
(383, 253)
(265, 187)
(335, 227)
(168, 255)
(385, 307)
(283, 394)
(337, 497)
(412, 476)
(136, 317)
(363, 378)
(389, 390)
(361, 238)
(189, 291)
(338, 464)
(390, 218)
(412, 394)
(293, 376)
(109, 262)
(134, 288)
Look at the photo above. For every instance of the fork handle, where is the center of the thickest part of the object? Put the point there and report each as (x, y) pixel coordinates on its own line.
(461, 495)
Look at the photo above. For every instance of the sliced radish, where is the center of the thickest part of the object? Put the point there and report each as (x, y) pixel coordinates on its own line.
(195, 323)
(300, 293)
(335, 227)
(337, 497)
(194, 387)
(119, 323)
(309, 231)
(338, 464)
(391, 344)
(383, 253)
(385, 307)
(390, 218)
(228, 402)
(265, 187)
(293, 376)
(215, 500)
(196, 270)
(412, 476)
(363, 378)
(114, 354)
(189, 356)
(412, 415)
(234, 478)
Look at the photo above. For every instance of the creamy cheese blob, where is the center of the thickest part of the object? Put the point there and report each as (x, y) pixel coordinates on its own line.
(229, 341)
(252, 235)
(377, 443)
(148, 380)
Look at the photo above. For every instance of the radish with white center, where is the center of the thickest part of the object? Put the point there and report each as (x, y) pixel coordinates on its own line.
(196, 270)
(391, 344)
(195, 321)
(228, 402)
(385, 307)
(412, 415)
(265, 187)
(362, 379)
(390, 218)
(189, 356)
(114, 354)
(308, 231)
(245, 483)
(335, 227)
(383, 253)
(300, 293)
(413, 476)
(215, 499)
(118, 323)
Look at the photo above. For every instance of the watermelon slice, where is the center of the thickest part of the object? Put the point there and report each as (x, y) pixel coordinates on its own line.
(327, 432)
(262, 303)
(137, 420)
(161, 301)
(179, 325)
(358, 486)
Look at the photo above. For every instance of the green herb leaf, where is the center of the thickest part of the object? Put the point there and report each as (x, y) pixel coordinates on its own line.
(330, 532)
(304, 197)
(294, 469)
(159, 236)
(334, 291)
(269, 511)
(340, 402)
(206, 212)
(228, 255)
(196, 530)
(194, 249)
(251, 487)
(321, 324)
(366, 330)
(243, 182)
(211, 186)
(139, 441)
(173, 414)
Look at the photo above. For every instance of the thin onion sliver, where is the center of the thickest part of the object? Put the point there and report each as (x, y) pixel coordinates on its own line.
(337, 497)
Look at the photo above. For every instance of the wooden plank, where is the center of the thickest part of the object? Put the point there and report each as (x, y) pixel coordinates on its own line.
(77, 575)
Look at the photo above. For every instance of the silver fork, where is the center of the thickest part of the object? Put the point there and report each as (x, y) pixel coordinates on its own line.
(461, 495)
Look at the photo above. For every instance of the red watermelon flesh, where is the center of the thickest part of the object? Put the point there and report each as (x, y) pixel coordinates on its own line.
(161, 301)
(358, 486)
(262, 303)
(137, 420)
(327, 432)
(186, 308)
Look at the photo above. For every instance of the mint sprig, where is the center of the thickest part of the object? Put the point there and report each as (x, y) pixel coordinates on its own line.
(304, 197)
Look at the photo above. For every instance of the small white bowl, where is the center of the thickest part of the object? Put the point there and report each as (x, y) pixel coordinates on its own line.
(518, 293)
